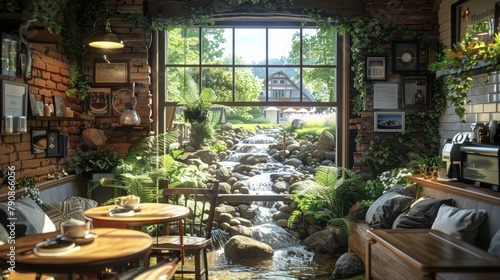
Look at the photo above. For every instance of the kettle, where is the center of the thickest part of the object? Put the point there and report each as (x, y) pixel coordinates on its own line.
(129, 115)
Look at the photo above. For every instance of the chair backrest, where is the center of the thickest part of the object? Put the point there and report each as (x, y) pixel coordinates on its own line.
(200, 201)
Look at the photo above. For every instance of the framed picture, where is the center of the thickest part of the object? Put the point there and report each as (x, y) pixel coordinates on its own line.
(13, 100)
(405, 56)
(389, 121)
(53, 144)
(385, 96)
(99, 102)
(376, 68)
(416, 91)
(497, 17)
(38, 140)
(105, 72)
(9, 55)
(473, 17)
(59, 106)
(34, 105)
(39, 106)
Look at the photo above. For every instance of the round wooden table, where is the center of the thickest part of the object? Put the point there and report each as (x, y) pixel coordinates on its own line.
(151, 213)
(111, 248)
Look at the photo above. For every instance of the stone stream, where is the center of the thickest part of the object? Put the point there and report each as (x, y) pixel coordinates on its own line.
(290, 260)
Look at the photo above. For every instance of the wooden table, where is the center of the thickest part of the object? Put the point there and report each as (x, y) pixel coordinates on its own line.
(111, 248)
(151, 213)
(431, 251)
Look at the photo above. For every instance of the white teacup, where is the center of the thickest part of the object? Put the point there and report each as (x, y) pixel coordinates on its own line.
(129, 201)
(73, 228)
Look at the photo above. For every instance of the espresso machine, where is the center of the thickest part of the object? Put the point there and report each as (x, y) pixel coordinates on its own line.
(452, 156)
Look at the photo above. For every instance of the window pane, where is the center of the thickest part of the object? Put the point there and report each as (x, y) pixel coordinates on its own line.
(250, 45)
(248, 86)
(318, 47)
(320, 83)
(182, 83)
(281, 42)
(217, 46)
(283, 84)
(220, 80)
(183, 46)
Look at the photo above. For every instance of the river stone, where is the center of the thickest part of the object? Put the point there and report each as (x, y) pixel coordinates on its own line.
(326, 141)
(207, 156)
(251, 159)
(223, 174)
(224, 188)
(232, 180)
(281, 216)
(348, 265)
(246, 211)
(322, 242)
(305, 152)
(240, 230)
(240, 248)
(293, 147)
(224, 208)
(234, 222)
(244, 222)
(319, 154)
(302, 185)
(237, 185)
(330, 155)
(280, 187)
(224, 218)
(295, 162)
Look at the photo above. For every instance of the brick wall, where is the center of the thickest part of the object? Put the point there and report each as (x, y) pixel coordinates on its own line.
(49, 78)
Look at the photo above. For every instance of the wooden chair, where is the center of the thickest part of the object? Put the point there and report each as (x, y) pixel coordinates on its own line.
(197, 227)
(162, 270)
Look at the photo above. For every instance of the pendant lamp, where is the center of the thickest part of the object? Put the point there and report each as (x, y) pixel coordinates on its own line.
(106, 39)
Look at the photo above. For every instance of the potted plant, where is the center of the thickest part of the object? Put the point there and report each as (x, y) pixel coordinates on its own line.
(196, 107)
(94, 161)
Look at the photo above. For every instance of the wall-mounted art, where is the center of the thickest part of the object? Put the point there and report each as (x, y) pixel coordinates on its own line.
(9, 55)
(13, 100)
(53, 143)
(389, 121)
(474, 17)
(38, 140)
(405, 56)
(416, 91)
(376, 68)
(99, 102)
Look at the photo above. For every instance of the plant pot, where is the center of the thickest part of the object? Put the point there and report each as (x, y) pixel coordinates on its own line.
(195, 116)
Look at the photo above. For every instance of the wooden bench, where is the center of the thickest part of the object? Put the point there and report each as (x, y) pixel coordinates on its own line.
(390, 259)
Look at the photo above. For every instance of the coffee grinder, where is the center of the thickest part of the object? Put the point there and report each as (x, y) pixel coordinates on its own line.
(453, 157)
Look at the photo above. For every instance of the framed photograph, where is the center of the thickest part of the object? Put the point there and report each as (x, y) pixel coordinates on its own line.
(13, 100)
(475, 17)
(33, 105)
(416, 91)
(53, 144)
(405, 56)
(9, 55)
(59, 106)
(38, 140)
(39, 106)
(376, 68)
(99, 102)
(389, 121)
(111, 72)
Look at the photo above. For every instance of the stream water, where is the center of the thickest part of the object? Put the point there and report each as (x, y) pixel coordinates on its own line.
(290, 260)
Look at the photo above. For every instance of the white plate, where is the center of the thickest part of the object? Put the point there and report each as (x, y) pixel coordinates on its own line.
(116, 212)
(53, 254)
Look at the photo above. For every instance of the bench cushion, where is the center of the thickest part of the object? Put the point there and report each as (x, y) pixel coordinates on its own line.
(495, 245)
(386, 209)
(459, 223)
(422, 213)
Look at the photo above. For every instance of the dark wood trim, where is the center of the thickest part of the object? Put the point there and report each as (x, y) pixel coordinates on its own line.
(460, 188)
(42, 186)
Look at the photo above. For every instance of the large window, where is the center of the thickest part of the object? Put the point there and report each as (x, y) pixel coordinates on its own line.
(287, 67)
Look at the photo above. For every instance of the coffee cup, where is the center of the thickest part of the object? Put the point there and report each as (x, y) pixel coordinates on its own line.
(73, 228)
(129, 201)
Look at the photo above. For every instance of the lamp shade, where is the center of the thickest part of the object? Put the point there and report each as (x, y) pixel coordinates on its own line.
(106, 39)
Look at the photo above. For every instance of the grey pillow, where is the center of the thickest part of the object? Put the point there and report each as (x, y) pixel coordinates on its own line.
(383, 212)
(30, 218)
(422, 213)
(408, 191)
(495, 245)
(459, 223)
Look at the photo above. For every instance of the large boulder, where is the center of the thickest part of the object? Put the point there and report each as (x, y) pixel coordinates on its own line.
(326, 141)
(348, 265)
(242, 249)
(323, 242)
(207, 156)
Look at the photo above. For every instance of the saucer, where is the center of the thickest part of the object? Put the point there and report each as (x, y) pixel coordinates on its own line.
(55, 246)
(138, 208)
(87, 239)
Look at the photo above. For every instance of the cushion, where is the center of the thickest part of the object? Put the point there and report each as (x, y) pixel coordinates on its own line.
(86, 203)
(459, 223)
(59, 213)
(383, 212)
(422, 213)
(29, 217)
(408, 191)
(495, 245)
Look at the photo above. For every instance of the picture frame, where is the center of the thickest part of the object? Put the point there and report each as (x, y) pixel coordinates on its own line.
(416, 91)
(33, 104)
(474, 16)
(38, 140)
(386, 96)
(13, 100)
(53, 143)
(99, 102)
(59, 106)
(405, 56)
(9, 54)
(39, 106)
(111, 73)
(497, 17)
(389, 121)
(376, 68)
